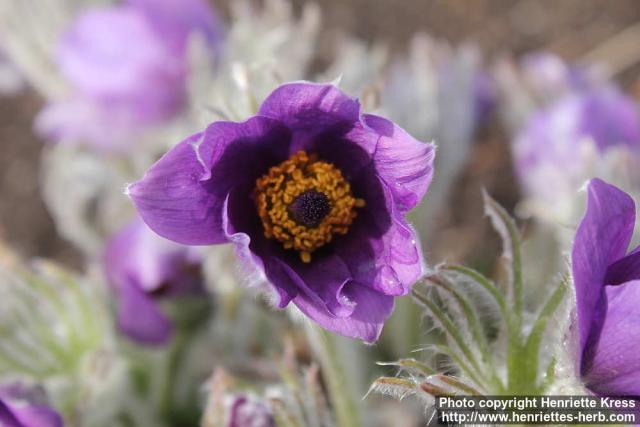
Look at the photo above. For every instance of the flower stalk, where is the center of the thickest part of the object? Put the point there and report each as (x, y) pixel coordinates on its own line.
(344, 405)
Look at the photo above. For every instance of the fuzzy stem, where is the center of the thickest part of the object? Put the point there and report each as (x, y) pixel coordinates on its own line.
(410, 364)
(460, 362)
(510, 234)
(480, 279)
(176, 355)
(517, 378)
(451, 329)
(453, 382)
(474, 324)
(435, 390)
(532, 345)
(283, 417)
(342, 402)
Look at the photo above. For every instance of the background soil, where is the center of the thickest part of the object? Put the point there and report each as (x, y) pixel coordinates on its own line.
(571, 28)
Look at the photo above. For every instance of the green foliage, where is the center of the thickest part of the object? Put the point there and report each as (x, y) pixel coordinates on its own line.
(480, 321)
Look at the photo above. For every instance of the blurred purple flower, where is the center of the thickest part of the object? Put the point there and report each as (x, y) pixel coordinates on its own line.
(176, 20)
(310, 191)
(144, 269)
(246, 411)
(22, 406)
(607, 284)
(550, 77)
(552, 135)
(485, 97)
(127, 67)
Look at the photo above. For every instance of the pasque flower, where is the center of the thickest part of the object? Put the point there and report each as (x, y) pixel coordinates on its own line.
(595, 132)
(607, 285)
(312, 192)
(551, 137)
(548, 77)
(22, 406)
(144, 271)
(127, 68)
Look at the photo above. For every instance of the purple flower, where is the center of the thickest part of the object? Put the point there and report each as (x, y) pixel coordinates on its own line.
(127, 68)
(21, 406)
(246, 411)
(176, 20)
(485, 97)
(607, 284)
(549, 76)
(551, 137)
(145, 270)
(310, 191)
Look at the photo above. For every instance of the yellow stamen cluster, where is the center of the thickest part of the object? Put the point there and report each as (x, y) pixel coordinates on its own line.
(277, 190)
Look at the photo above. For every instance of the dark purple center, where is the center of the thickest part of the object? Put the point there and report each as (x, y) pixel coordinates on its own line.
(310, 208)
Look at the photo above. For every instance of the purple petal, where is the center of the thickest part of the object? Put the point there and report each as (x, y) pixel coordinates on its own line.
(7, 417)
(21, 406)
(140, 319)
(402, 162)
(173, 198)
(137, 253)
(485, 97)
(322, 289)
(37, 416)
(322, 282)
(602, 238)
(382, 250)
(351, 152)
(322, 279)
(548, 138)
(390, 264)
(551, 136)
(615, 367)
(252, 254)
(611, 118)
(182, 196)
(625, 269)
(114, 51)
(371, 310)
(309, 109)
(546, 73)
(175, 20)
(124, 77)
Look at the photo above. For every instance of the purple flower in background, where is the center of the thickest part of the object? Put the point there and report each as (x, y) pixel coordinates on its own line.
(485, 97)
(310, 191)
(22, 406)
(144, 270)
(549, 76)
(127, 67)
(246, 411)
(177, 20)
(607, 284)
(551, 137)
